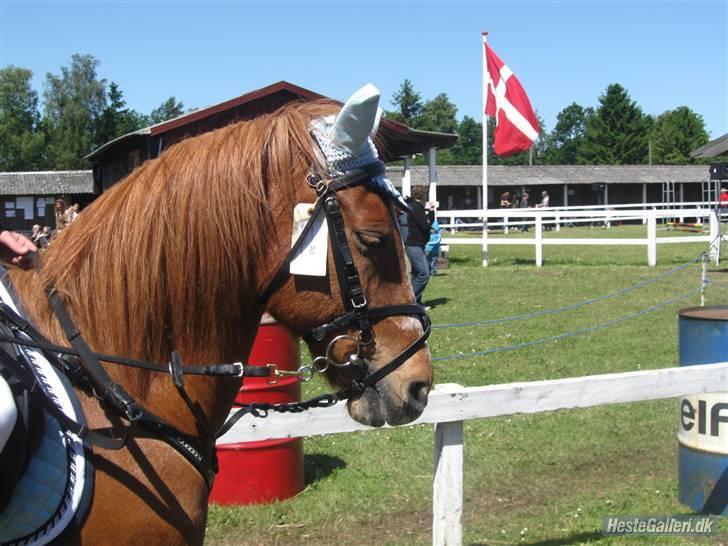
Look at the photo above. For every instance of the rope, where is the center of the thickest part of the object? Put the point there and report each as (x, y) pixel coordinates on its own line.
(601, 326)
(718, 284)
(574, 305)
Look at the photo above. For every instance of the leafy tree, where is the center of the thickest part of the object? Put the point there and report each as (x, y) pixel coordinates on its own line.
(169, 109)
(675, 134)
(439, 114)
(116, 119)
(617, 133)
(21, 142)
(468, 150)
(408, 104)
(562, 146)
(74, 103)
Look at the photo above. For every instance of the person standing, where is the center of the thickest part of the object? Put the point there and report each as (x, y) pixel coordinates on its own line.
(523, 204)
(543, 205)
(418, 233)
(61, 216)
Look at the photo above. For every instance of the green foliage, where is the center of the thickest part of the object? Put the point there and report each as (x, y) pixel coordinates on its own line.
(562, 145)
(675, 134)
(468, 149)
(438, 114)
(169, 109)
(617, 133)
(407, 103)
(116, 120)
(21, 142)
(75, 100)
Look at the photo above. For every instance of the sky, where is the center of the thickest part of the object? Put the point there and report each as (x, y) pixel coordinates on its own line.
(665, 53)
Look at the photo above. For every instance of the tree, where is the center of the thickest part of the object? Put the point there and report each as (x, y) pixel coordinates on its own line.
(562, 146)
(74, 103)
(675, 134)
(617, 133)
(439, 114)
(468, 150)
(169, 109)
(407, 103)
(21, 142)
(116, 120)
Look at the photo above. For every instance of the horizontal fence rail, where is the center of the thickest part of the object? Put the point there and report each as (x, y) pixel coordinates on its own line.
(499, 400)
(450, 405)
(557, 216)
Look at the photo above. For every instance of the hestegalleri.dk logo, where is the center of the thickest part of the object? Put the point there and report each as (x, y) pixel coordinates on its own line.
(660, 525)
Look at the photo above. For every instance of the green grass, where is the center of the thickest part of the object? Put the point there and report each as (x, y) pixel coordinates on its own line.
(529, 479)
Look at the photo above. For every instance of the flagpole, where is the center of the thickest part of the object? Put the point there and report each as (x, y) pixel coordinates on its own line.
(485, 151)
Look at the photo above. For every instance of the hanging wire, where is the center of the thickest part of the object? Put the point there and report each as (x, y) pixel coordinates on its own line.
(574, 305)
(582, 331)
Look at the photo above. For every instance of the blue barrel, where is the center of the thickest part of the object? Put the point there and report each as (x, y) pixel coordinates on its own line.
(703, 430)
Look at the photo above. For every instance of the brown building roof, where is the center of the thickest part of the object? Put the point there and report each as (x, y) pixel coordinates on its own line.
(394, 139)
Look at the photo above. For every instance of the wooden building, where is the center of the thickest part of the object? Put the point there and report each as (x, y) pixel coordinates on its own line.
(28, 197)
(460, 186)
(115, 159)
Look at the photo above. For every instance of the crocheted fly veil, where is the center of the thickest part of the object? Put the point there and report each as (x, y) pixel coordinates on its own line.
(345, 140)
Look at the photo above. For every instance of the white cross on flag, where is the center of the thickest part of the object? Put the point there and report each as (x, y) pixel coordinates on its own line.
(516, 127)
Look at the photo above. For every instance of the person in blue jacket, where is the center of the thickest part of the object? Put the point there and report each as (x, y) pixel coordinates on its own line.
(432, 249)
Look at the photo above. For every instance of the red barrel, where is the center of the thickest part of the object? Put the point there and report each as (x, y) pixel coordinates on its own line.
(270, 470)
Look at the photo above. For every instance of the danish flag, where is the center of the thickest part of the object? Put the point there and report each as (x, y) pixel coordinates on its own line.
(516, 126)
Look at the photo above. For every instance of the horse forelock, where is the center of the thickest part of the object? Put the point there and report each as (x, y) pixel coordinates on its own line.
(175, 250)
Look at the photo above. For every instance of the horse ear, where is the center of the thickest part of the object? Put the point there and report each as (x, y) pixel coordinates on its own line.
(358, 119)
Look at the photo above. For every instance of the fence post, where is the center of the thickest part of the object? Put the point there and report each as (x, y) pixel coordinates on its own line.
(539, 240)
(652, 238)
(447, 484)
(558, 220)
(714, 237)
(703, 279)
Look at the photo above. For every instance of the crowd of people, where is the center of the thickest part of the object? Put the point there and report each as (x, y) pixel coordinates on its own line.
(64, 214)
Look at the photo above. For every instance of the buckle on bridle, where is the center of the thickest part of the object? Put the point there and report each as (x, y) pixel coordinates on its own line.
(360, 305)
(303, 373)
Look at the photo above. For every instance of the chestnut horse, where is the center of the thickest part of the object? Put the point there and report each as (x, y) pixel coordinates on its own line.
(175, 258)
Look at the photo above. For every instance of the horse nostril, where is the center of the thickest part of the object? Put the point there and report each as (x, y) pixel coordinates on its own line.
(418, 391)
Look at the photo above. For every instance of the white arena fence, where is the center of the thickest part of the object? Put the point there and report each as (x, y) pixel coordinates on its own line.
(538, 218)
(450, 405)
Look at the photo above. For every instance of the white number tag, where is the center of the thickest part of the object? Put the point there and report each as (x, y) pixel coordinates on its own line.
(311, 258)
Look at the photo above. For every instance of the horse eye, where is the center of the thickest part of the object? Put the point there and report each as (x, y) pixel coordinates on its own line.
(367, 240)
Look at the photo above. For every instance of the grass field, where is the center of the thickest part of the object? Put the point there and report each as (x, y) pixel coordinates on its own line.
(545, 479)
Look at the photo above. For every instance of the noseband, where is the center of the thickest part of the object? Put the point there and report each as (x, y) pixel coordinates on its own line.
(357, 313)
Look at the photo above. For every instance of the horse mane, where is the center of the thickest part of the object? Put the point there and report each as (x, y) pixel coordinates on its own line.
(166, 259)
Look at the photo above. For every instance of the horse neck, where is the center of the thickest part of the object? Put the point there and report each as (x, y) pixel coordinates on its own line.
(109, 312)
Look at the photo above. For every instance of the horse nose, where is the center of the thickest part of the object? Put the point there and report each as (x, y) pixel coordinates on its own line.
(417, 394)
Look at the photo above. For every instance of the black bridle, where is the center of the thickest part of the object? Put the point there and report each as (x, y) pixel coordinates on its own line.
(83, 366)
(357, 313)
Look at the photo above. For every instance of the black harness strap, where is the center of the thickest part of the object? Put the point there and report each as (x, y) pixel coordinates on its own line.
(235, 369)
(137, 415)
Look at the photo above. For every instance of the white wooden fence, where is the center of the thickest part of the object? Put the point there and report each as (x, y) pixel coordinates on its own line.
(539, 217)
(450, 405)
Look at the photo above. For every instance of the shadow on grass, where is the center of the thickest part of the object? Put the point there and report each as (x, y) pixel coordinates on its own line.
(579, 538)
(318, 466)
(435, 302)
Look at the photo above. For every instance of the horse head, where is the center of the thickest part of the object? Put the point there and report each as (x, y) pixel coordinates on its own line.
(354, 334)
